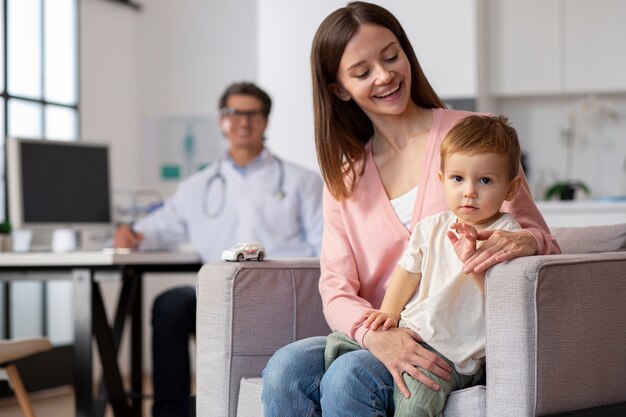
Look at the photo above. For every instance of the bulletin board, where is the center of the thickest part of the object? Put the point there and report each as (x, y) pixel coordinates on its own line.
(176, 147)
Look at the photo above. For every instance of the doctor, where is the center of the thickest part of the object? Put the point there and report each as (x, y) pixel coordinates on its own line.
(247, 195)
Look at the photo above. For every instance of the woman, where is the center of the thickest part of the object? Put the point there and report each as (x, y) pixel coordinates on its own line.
(378, 129)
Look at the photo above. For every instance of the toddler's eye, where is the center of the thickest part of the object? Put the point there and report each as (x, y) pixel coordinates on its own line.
(485, 180)
(456, 178)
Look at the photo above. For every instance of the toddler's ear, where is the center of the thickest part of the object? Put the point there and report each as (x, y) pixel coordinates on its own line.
(440, 175)
(513, 188)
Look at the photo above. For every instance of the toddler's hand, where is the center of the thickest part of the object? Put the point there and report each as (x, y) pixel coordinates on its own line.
(464, 244)
(374, 318)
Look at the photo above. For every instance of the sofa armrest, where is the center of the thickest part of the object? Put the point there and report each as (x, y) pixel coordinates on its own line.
(555, 333)
(246, 311)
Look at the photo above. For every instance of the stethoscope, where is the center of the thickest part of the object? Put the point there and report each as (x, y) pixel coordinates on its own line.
(279, 193)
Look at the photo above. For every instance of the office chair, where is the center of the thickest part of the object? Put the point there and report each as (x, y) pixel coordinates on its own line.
(12, 350)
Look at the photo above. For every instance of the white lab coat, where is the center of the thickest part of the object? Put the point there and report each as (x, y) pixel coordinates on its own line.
(288, 227)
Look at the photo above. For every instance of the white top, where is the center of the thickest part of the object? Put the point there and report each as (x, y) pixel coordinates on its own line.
(288, 227)
(404, 206)
(447, 310)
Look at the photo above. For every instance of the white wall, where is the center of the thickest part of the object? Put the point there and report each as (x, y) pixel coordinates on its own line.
(189, 50)
(108, 84)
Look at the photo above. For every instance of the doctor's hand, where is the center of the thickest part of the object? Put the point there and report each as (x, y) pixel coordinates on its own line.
(499, 246)
(126, 238)
(399, 351)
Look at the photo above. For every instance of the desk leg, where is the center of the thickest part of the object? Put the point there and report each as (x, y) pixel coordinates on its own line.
(126, 298)
(136, 354)
(107, 347)
(83, 371)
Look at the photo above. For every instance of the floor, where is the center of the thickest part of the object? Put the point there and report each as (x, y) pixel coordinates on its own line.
(59, 402)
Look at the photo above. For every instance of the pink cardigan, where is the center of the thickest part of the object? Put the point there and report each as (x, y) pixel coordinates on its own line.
(363, 237)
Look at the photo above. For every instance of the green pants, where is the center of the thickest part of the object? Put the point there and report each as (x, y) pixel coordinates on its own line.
(423, 402)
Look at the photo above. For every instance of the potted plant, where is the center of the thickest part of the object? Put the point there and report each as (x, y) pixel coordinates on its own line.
(5, 236)
(567, 189)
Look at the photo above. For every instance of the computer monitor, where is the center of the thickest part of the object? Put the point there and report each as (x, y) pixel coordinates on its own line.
(58, 184)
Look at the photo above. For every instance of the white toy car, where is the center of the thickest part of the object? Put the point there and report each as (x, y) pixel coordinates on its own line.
(244, 251)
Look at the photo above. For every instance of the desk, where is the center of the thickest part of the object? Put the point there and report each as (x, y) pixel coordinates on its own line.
(90, 318)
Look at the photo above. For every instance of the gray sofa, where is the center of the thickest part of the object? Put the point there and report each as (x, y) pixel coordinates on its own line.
(556, 329)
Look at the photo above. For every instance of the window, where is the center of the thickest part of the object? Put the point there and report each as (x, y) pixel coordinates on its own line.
(39, 99)
(38, 74)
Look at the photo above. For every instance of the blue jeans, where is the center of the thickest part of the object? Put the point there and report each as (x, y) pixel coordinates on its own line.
(173, 322)
(295, 384)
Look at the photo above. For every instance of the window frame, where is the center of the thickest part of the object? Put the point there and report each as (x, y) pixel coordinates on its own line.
(6, 97)
(60, 356)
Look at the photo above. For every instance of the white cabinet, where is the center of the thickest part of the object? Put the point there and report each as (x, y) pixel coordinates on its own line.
(594, 51)
(582, 213)
(523, 44)
(445, 42)
(556, 46)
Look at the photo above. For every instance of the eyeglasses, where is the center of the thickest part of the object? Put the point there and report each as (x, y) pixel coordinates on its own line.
(254, 116)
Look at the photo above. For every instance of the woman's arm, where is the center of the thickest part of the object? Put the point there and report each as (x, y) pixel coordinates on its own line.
(339, 283)
(402, 286)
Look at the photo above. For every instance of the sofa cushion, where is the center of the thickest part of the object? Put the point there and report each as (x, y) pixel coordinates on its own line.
(468, 402)
(591, 239)
(249, 403)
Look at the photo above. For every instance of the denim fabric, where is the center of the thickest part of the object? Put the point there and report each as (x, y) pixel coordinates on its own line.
(295, 384)
(173, 322)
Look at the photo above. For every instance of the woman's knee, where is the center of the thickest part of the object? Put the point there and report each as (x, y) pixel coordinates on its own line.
(303, 359)
(357, 377)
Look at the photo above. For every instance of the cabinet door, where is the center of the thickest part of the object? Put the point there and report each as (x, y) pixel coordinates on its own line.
(524, 46)
(595, 55)
(445, 42)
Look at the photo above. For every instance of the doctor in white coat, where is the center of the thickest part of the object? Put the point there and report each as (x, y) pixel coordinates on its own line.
(247, 195)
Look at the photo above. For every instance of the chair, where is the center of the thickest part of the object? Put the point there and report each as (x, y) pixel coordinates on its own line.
(13, 350)
(555, 329)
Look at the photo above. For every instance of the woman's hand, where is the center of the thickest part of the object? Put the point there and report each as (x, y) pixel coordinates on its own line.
(399, 351)
(499, 246)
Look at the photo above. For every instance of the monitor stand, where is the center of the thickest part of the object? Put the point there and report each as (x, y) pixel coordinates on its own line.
(65, 240)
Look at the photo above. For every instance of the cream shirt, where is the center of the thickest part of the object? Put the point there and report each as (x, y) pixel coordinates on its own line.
(447, 310)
